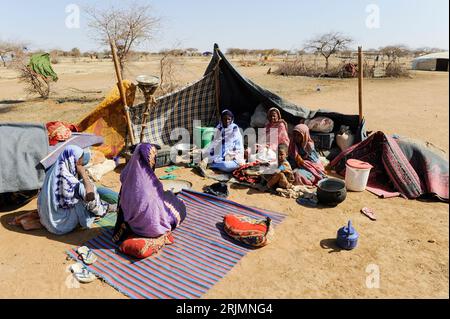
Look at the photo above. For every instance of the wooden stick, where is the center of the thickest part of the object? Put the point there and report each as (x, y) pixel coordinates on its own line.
(360, 82)
(152, 104)
(122, 91)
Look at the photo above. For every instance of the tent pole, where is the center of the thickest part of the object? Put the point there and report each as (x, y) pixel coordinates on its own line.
(122, 91)
(360, 82)
(217, 80)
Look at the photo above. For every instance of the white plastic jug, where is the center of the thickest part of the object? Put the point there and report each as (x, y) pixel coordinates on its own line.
(356, 175)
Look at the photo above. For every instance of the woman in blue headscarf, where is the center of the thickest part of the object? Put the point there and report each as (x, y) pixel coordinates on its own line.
(68, 198)
(226, 152)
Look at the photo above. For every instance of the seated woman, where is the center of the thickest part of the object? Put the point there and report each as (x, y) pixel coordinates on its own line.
(309, 169)
(276, 130)
(68, 198)
(226, 152)
(145, 209)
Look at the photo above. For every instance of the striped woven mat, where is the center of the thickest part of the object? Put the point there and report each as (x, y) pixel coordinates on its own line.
(201, 255)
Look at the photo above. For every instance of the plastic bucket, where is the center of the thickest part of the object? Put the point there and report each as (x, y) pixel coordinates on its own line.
(203, 136)
(357, 175)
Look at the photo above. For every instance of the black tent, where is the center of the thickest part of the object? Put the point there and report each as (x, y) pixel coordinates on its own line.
(222, 86)
(242, 96)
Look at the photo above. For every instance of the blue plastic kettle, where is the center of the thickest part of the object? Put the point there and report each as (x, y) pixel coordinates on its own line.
(347, 237)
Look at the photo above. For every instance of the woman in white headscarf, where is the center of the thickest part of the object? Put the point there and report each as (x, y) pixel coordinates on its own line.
(226, 152)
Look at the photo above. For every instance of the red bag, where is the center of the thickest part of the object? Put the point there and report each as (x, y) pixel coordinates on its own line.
(253, 232)
(145, 247)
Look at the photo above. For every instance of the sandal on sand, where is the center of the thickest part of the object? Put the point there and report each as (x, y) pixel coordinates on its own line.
(168, 177)
(86, 255)
(82, 274)
(369, 213)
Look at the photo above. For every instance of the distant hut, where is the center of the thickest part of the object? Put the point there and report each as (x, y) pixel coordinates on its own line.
(431, 62)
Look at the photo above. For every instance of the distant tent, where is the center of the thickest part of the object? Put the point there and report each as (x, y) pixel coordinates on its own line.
(431, 62)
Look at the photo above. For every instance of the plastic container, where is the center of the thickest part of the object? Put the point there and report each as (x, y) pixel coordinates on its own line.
(204, 135)
(163, 157)
(347, 237)
(357, 174)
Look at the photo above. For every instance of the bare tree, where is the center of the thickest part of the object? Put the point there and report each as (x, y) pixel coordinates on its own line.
(75, 52)
(34, 83)
(425, 50)
(11, 50)
(393, 52)
(126, 28)
(328, 44)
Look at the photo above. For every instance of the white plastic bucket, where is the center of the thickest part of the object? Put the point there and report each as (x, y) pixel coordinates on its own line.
(356, 178)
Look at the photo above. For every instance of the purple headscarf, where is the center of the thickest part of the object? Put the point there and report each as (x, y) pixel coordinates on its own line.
(148, 210)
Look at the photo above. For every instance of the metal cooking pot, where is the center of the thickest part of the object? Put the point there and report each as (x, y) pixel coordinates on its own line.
(331, 191)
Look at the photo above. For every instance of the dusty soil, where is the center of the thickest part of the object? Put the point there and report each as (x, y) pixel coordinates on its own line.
(409, 243)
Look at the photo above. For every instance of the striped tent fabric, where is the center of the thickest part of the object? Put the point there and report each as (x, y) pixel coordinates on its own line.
(178, 110)
(201, 255)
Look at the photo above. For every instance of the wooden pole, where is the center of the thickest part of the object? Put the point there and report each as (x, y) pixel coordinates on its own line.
(122, 91)
(360, 82)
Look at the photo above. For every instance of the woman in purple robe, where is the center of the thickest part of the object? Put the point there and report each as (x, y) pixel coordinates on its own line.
(145, 209)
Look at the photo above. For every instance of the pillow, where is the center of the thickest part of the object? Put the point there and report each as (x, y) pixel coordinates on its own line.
(145, 247)
(253, 232)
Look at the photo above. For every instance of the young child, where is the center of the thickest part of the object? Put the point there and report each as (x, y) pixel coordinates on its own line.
(284, 176)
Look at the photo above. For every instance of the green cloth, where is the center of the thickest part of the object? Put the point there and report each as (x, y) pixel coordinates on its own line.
(40, 63)
(107, 195)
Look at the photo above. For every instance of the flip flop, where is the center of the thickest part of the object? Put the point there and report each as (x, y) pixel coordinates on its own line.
(171, 169)
(86, 255)
(369, 213)
(168, 176)
(82, 274)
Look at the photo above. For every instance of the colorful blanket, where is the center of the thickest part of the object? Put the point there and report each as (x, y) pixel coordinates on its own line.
(399, 166)
(201, 255)
(108, 120)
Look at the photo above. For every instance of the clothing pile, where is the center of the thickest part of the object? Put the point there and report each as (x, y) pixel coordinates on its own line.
(60, 131)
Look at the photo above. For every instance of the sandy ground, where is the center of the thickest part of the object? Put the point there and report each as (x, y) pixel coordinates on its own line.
(409, 243)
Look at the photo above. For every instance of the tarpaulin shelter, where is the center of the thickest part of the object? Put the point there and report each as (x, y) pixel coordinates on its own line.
(431, 62)
(223, 87)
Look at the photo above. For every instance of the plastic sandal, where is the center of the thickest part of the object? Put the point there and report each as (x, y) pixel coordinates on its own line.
(87, 255)
(168, 176)
(171, 169)
(82, 274)
(369, 213)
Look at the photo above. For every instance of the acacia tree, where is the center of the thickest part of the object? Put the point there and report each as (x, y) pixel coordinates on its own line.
(126, 28)
(393, 52)
(328, 44)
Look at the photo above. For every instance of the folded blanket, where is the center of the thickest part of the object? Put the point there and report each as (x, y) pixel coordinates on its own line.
(22, 147)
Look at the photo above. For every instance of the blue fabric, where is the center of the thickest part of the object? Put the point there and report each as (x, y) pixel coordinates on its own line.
(225, 166)
(58, 220)
(65, 180)
(61, 201)
(86, 156)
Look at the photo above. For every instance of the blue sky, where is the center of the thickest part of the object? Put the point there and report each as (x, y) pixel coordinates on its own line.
(252, 24)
